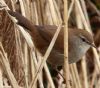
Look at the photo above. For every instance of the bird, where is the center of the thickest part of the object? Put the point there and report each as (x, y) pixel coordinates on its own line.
(79, 41)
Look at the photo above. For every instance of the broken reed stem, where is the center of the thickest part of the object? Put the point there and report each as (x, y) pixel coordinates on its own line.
(66, 65)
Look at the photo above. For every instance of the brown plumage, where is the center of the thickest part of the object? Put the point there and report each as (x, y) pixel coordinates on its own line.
(42, 36)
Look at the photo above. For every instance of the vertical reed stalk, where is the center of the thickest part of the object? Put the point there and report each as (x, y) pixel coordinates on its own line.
(66, 65)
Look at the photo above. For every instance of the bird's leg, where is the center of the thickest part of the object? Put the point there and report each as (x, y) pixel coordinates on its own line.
(57, 70)
(60, 75)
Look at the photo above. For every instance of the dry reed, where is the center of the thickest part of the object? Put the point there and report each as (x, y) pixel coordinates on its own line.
(21, 65)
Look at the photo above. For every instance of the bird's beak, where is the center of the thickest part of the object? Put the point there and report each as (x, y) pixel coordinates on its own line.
(93, 45)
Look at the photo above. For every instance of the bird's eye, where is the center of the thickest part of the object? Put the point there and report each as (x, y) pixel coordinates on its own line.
(83, 39)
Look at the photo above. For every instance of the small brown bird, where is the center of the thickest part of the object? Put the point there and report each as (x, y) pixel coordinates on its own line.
(79, 41)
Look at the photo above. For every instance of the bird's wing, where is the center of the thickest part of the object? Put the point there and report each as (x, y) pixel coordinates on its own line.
(48, 31)
(38, 32)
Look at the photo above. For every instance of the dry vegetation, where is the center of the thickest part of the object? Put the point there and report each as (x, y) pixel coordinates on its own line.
(19, 59)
